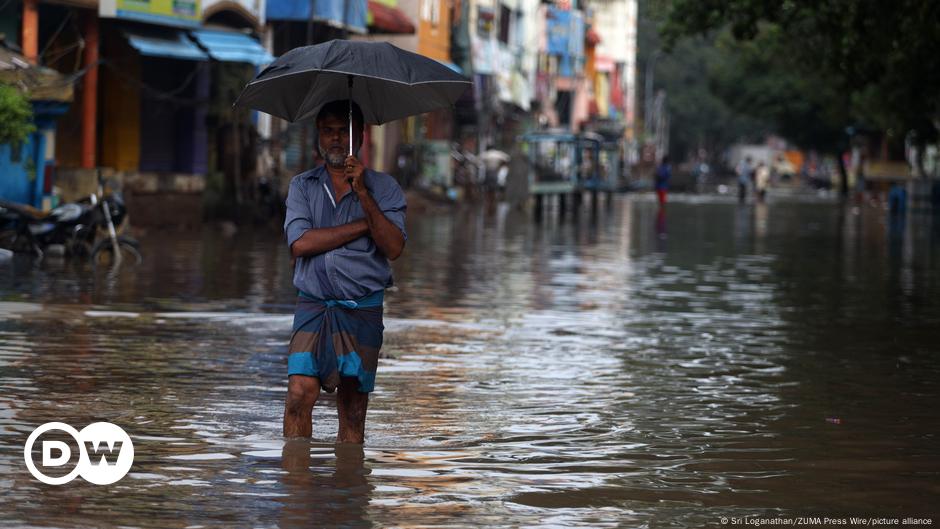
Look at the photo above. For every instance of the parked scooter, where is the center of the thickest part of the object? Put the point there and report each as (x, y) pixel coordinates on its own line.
(81, 229)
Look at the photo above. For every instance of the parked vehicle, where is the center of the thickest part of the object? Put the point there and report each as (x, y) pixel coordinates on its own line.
(113, 249)
(564, 162)
(82, 229)
(15, 232)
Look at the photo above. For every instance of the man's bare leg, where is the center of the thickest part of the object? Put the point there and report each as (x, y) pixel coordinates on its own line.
(351, 406)
(302, 393)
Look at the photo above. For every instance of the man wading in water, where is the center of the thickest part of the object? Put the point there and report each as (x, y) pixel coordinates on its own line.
(343, 225)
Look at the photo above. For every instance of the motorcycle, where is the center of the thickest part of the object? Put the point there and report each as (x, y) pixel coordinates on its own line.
(74, 229)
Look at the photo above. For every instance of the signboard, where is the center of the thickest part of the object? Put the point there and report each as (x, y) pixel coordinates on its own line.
(484, 52)
(558, 25)
(185, 13)
(566, 39)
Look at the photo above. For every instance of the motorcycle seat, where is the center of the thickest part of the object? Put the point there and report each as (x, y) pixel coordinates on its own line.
(24, 210)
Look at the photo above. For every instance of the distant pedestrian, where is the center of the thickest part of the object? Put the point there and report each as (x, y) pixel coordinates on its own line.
(517, 182)
(743, 171)
(860, 186)
(663, 174)
(761, 181)
(502, 174)
(493, 159)
(897, 199)
(897, 209)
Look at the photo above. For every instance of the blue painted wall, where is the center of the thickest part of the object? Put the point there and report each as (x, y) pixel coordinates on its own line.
(23, 166)
(19, 174)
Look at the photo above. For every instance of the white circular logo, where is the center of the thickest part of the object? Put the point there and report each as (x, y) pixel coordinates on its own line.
(106, 453)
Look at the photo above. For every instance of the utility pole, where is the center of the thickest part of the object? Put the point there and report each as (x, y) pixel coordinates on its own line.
(311, 3)
(662, 125)
(648, 93)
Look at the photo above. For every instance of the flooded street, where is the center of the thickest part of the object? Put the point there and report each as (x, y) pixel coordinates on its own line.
(640, 370)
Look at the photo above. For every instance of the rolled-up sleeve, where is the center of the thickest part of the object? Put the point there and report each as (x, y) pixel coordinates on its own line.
(297, 220)
(391, 200)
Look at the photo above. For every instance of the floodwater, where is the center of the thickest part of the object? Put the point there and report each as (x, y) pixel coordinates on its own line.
(633, 370)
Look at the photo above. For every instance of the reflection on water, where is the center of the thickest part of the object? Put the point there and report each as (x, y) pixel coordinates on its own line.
(642, 367)
(335, 492)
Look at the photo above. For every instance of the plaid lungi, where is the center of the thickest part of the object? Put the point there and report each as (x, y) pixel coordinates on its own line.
(337, 338)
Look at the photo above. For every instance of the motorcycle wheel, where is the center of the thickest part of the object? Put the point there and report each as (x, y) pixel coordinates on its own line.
(19, 241)
(102, 255)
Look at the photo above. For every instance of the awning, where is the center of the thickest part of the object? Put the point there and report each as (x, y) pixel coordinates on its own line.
(384, 18)
(168, 43)
(350, 14)
(231, 46)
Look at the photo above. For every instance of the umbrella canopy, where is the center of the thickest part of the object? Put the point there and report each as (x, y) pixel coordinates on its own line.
(387, 83)
(493, 158)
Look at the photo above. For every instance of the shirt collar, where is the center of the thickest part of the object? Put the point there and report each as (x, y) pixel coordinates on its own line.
(316, 172)
(320, 170)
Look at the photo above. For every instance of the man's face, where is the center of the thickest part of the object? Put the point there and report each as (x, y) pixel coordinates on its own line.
(334, 140)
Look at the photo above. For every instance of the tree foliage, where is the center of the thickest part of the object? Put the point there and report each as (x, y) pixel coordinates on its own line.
(16, 115)
(758, 79)
(700, 116)
(877, 60)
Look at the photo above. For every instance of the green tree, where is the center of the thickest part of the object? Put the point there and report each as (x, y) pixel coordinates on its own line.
(758, 78)
(16, 115)
(869, 61)
(700, 117)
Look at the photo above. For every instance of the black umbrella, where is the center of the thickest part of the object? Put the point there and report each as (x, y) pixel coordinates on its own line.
(387, 83)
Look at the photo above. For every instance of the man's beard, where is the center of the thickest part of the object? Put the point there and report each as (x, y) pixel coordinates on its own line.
(334, 160)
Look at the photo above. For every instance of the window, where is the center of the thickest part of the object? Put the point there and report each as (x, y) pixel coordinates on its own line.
(505, 19)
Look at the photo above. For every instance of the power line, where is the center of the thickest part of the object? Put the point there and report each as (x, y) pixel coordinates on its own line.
(55, 34)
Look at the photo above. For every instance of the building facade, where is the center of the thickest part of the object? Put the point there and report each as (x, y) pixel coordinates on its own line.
(154, 85)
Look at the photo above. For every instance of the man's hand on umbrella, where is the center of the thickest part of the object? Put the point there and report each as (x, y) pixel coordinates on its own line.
(353, 170)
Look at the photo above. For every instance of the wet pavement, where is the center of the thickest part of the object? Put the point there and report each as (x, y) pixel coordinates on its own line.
(640, 369)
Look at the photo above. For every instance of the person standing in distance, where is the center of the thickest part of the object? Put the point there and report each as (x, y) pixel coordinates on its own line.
(663, 174)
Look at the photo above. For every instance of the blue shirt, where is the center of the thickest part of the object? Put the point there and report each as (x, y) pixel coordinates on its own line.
(358, 268)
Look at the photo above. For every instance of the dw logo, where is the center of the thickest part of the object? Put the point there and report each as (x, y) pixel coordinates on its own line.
(109, 445)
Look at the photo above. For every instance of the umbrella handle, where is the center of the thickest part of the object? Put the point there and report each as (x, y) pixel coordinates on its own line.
(350, 115)
(350, 180)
